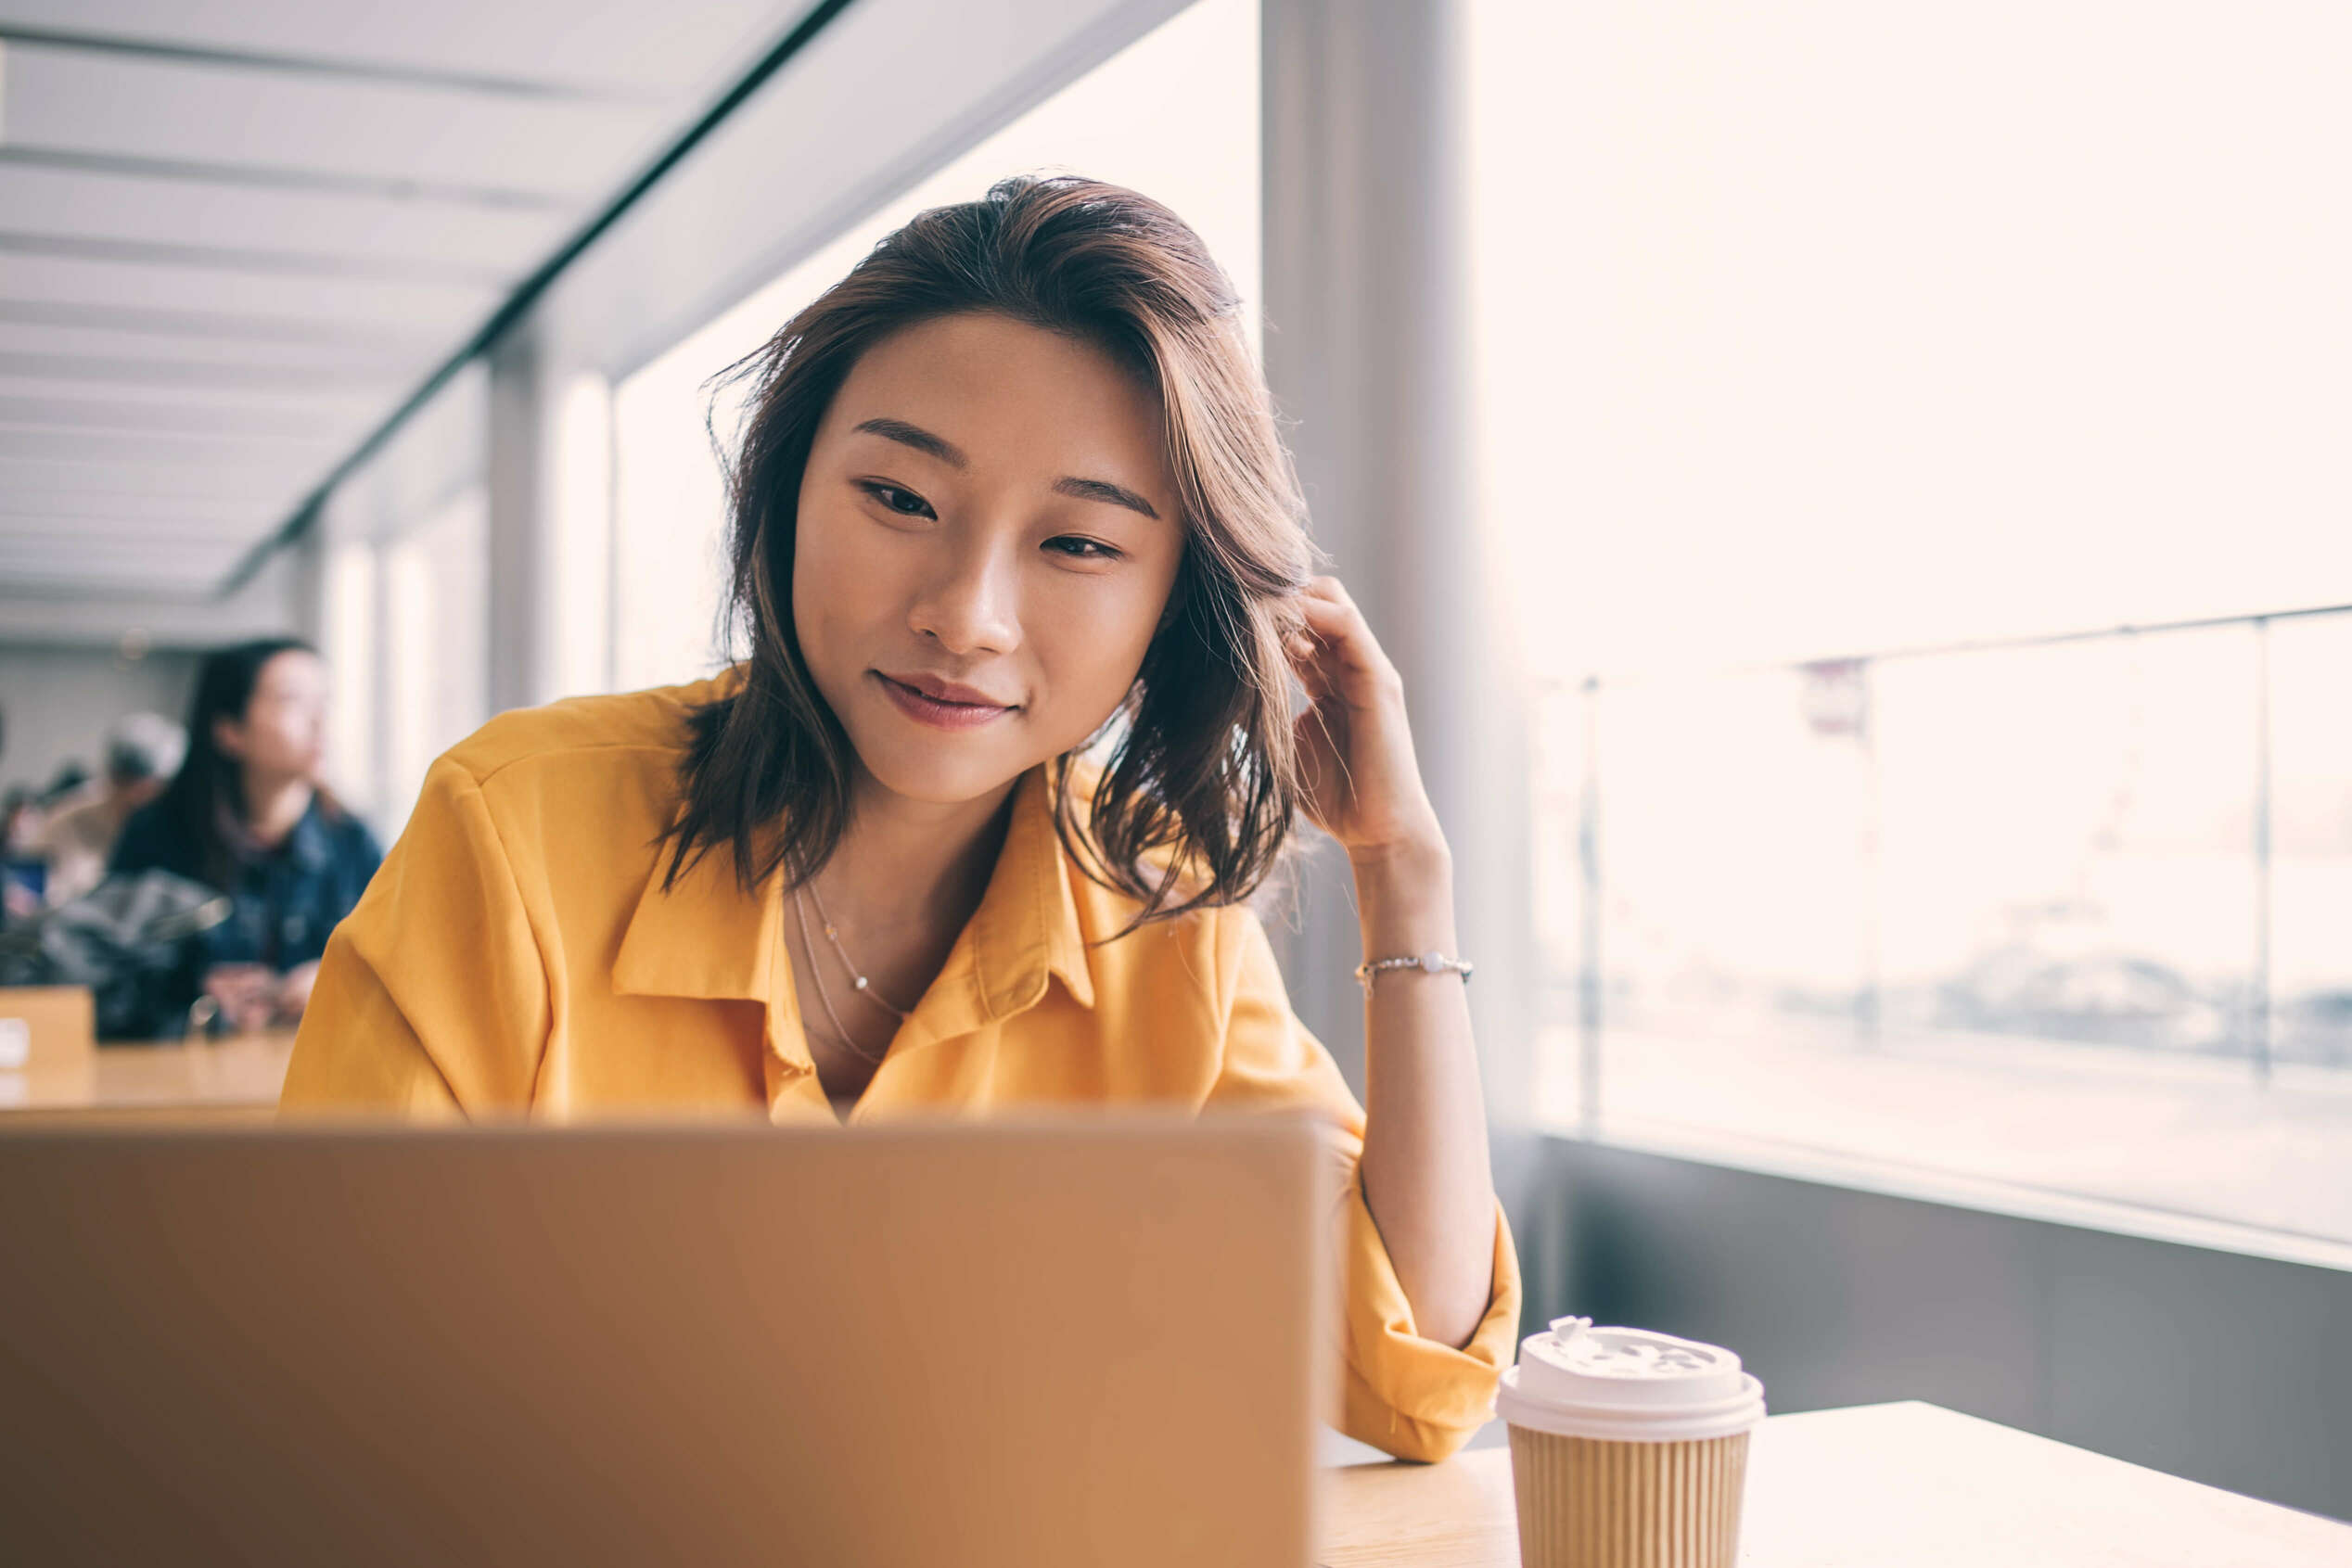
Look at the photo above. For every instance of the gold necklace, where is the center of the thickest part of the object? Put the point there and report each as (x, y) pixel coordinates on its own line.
(835, 937)
(841, 1030)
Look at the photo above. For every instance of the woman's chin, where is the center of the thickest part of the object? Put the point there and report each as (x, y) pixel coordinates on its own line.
(924, 774)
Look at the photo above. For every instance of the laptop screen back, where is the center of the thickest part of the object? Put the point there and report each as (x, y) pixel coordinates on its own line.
(1075, 1341)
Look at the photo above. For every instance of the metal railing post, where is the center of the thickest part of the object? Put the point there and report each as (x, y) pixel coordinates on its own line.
(1870, 996)
(1589, 914)
(2258, 1009)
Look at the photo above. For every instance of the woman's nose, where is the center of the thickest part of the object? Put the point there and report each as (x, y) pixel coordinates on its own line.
(973, 606)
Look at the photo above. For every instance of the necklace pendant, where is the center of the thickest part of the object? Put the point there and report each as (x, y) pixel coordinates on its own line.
(861, 982)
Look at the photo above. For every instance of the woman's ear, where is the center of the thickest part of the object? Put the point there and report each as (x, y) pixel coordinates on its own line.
(228, 738)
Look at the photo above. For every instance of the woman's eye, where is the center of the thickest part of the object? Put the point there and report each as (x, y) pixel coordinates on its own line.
(905, 502)
(1083, 549)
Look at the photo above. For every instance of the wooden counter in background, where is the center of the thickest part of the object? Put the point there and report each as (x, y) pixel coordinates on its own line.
(236, 1080)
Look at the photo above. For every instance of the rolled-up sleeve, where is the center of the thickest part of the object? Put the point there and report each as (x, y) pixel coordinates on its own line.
(431, 999)
(1415, 1398)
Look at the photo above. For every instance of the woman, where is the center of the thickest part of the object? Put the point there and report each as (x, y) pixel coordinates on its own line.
(247, 814)
(1009, 492)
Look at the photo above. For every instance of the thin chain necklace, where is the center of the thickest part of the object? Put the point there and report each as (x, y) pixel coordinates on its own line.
(841, 1030)
(855, 974)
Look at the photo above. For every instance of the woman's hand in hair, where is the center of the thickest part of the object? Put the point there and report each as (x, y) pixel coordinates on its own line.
(1361, 782)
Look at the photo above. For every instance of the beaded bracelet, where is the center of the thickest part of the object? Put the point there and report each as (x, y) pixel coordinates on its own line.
(1429, 964)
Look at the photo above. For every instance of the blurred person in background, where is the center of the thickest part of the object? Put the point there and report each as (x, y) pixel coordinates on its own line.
(22, 872)
(10, 894)
(247, 814)
(20, 819)
(65, 786)
(143, 750)
(24, 819)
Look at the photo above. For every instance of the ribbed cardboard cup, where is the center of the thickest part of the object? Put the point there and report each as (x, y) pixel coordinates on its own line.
(1586, 1502)
(1628, 1448)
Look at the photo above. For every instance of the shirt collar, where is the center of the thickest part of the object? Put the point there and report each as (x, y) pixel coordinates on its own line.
(707, 937)
(1027, 926)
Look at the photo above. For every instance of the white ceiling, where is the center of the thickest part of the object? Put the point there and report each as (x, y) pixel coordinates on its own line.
(236, 235)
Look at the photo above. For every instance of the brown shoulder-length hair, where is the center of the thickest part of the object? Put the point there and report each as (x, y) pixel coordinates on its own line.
(1200, 790)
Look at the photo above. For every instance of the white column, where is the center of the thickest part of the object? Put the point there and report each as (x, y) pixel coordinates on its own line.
(1368, 350)
(349, 634)
(550, 526)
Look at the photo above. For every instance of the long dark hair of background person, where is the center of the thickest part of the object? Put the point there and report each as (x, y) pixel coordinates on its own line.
(212, 783)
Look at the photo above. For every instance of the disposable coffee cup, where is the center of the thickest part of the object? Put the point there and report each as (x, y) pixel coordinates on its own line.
(1628, 1448)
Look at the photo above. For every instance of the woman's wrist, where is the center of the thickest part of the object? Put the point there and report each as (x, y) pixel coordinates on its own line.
(1404, 899)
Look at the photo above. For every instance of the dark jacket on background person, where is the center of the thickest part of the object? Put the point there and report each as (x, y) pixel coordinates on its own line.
(286, 901)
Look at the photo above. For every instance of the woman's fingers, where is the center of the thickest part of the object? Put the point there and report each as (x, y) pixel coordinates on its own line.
(1350, 659)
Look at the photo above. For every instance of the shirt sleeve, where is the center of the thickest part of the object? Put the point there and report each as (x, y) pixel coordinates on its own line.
(366, 853)
(431, 997)
(1415, 1397)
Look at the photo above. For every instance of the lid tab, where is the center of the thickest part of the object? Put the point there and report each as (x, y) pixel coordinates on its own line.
(1630, 1383)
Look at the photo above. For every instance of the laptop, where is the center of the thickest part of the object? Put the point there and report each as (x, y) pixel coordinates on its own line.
(1092, 1341)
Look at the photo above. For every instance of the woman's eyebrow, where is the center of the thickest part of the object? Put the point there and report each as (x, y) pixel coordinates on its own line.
(1103, 490)
(947, 451)
(921, 440)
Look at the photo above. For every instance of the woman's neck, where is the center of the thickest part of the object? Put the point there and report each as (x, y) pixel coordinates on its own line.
(274, 804)
(915, 863)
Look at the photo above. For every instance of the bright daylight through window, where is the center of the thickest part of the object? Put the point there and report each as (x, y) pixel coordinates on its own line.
(1840, 363)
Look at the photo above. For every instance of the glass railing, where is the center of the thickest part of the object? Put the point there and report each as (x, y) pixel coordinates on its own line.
(2071, 913)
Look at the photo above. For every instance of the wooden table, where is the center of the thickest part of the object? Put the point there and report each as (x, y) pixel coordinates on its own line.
(1876, 1485)
(231, 1080)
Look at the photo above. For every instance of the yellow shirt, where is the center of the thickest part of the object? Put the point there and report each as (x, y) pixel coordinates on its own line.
(517, 953)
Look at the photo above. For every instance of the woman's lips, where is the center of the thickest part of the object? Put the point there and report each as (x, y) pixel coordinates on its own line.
(932, 711)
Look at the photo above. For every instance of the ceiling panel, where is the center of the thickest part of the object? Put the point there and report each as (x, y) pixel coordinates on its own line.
(81, 538)
(119, 515)
(322, 422)
(231, 292)
(42, 478)
(114, 106)
(151, 450)
(236, 236)
(105, 564)
(31, 401)
(597, 46)
(98, 554)
(124, 572)
(69, 376)
(331, 229)
(390, 354)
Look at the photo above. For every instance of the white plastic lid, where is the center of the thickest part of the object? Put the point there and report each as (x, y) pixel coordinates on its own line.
(1627, 1385)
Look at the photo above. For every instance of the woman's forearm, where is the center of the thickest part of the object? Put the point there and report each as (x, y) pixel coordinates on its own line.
(1425, 1171)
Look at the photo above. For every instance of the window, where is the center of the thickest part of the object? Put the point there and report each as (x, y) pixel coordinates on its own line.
(407, 638)
(1815, 338)
(1174, 115)
(436, 669)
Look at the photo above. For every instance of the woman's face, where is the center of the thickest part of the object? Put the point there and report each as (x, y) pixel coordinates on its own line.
(987, 513)
(284, 732)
